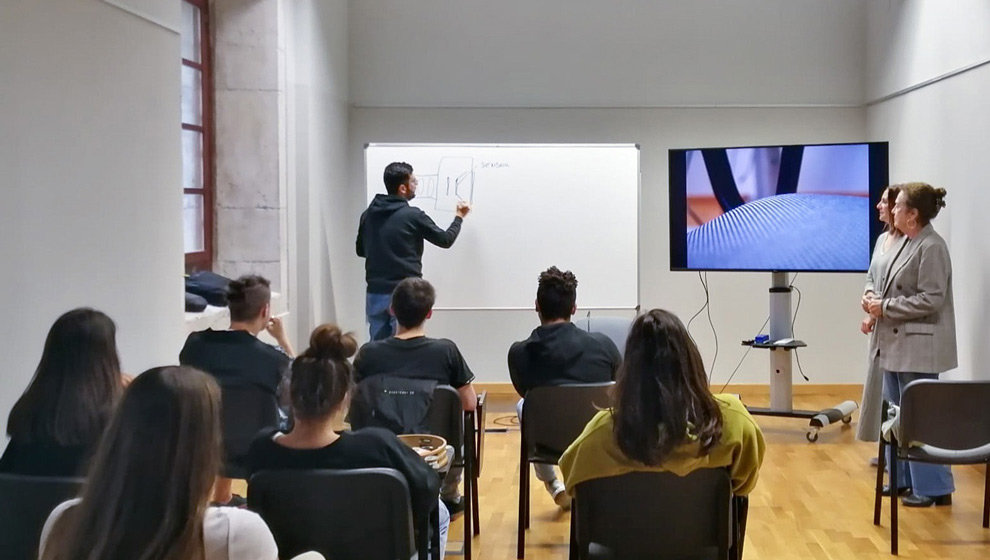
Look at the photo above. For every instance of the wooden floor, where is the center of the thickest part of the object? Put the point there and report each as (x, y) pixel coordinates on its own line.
(813, 500)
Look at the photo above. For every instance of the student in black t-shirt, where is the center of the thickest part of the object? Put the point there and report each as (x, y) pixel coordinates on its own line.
(559, 353)
(321, 382)
(236, 358)
(410, 353)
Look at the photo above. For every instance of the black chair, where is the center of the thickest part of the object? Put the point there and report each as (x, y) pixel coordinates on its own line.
(246, 410)
(478, 419)
(552, 418)
(946, 422)
(656, 515)
(328, 511)
(446, 418)
(25, 503)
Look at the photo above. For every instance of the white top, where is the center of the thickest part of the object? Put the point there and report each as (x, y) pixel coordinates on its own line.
(228, 533)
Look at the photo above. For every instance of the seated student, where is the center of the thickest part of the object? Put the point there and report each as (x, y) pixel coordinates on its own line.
(147, 492)
(319, 389)
(56, 424)
(412, 354)
(236, 358)
(559, 353)
(663, 416)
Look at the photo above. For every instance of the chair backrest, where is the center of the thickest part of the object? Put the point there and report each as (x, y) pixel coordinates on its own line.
(554, 416)
(948, 414)
(246, 410)
(361, 514)
(654, 515)
(25, 503)
(445, 418)
(616, 328)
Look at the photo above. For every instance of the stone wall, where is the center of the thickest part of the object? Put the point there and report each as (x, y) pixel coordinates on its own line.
(250, 197)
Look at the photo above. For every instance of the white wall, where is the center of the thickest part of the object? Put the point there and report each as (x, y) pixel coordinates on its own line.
(316, 137)
(938, 134)
(829, 314)
(913, 41)
(756, 72)
(594, 53)
(90, 170)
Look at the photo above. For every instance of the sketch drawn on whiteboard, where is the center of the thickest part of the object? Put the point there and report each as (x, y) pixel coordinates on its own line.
(453, 182)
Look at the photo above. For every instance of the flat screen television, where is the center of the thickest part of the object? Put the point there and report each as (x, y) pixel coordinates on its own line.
(795, 208)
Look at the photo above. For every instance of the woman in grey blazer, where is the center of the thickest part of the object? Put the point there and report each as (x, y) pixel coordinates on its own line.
(916, 326)
(888, 247)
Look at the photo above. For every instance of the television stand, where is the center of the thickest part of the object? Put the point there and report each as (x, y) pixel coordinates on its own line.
(780, 346)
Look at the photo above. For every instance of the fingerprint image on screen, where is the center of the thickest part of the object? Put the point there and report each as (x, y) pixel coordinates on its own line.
(791, 208)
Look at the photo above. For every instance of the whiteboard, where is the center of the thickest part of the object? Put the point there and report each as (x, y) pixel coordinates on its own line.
(575, 206)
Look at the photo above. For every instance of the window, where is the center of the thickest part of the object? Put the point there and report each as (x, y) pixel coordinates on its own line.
(197, 136)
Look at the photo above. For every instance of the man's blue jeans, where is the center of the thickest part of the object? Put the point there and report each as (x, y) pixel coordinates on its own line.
(381, 323)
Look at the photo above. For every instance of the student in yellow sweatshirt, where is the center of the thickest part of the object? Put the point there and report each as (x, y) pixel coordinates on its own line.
(664, 417)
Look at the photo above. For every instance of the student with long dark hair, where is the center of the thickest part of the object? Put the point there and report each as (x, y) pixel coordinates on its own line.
(320, 389)
(56, 424)
(148, 490)
(888, 247)
(664, 417)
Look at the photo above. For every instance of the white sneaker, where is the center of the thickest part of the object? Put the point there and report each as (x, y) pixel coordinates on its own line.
(558, 493)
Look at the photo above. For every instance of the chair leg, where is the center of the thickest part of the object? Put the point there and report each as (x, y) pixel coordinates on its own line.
(892, 486)
(469, 497)
(474, 506)
(986, 499)
(523, 493)
(740, 506)
(528, 499)
(572, 547)
(878, 492)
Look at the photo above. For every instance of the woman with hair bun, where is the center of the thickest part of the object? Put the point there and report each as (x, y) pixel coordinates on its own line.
(319, 391)
(916, 325)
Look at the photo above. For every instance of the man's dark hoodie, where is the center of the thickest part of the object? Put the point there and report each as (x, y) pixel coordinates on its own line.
(390, 238)
(559, 354)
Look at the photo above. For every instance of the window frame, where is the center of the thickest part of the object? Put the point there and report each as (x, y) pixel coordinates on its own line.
(203, 260)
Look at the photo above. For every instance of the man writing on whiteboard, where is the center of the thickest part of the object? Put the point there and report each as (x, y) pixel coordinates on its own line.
(390, 239)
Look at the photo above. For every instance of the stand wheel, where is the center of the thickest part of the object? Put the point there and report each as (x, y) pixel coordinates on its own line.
(847, 419)
(812, 435)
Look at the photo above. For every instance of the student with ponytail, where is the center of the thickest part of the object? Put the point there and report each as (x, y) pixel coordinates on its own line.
(320, 389)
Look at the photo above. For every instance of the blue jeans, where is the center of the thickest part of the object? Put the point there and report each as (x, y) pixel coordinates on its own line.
(925, 479)
(381, 323)
(444, 525)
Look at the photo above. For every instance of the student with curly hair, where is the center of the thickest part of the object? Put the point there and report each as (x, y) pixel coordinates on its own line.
(559, 353)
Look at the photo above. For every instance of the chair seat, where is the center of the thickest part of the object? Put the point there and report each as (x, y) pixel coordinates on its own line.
(597, 551)
(543, 455)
